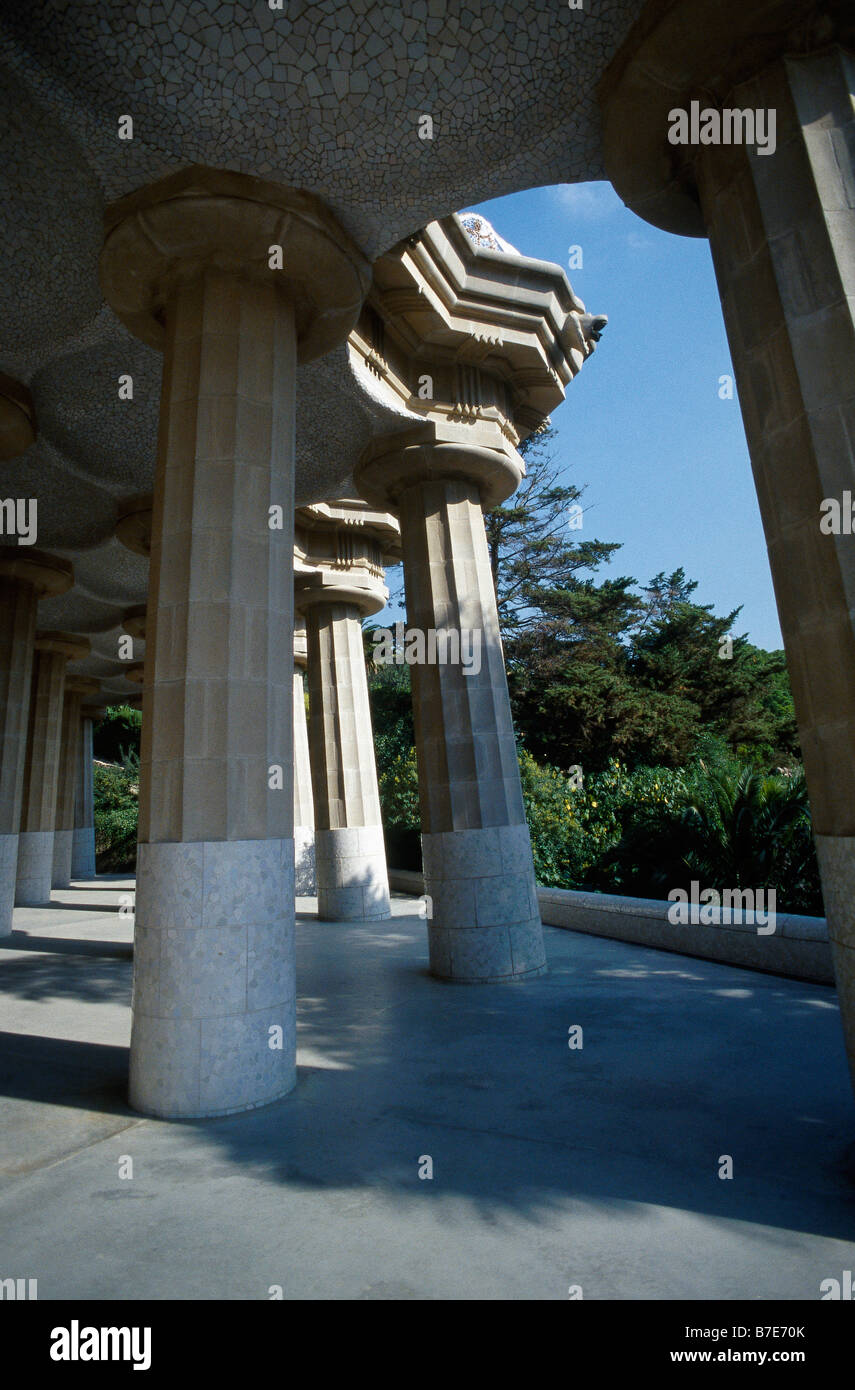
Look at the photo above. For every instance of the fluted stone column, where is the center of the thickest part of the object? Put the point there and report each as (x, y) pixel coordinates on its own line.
(483, 921)
(783, 243)
(350, 853)
(214, 988)
(305, 882)
(25, 576)
(83, 839)
(76, 689)
(782, 232)
(41, 772)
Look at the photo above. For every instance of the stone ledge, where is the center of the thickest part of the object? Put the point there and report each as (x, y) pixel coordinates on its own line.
(799, 948)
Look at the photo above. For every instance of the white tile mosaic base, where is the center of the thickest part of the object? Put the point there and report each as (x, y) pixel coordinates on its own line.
(8, 875)
(62, 847)
(214, 1002)
(482, 913)
(353, 884)
(35, 868)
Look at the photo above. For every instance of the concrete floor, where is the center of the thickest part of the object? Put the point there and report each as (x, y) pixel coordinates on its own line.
(551, 1167)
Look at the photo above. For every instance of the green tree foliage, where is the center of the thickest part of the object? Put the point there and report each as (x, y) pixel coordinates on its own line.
(116, 793)
(390, 694)
(117, 733)
(532, 550)
(606, 672)
(672, 716)
(728, 828)
(116, 745)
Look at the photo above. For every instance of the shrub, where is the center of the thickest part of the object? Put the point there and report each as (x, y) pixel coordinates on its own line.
(118, 733)
(557, 837)
(398, 780)
(727, 827)
(116, 789)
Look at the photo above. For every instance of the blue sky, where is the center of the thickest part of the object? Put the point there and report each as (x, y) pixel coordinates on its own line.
(664, 459)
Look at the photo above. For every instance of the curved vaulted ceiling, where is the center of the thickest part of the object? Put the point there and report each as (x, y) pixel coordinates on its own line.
(326, 97)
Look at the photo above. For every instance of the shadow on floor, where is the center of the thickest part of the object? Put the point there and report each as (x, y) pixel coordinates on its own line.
(60, 905)
(68, 946)
(59, 1071)
(683, 1062)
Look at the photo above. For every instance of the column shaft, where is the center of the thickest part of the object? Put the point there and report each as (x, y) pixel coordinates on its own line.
(83, 840)
(479, 877)
(305, 882)
(782, 231)
(350, 854)
(18, 601)
(214, 988)
(69, 761)
(41, 779)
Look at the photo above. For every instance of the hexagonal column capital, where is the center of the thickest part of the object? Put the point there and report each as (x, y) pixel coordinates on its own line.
(49, 575)
(94, 712)
(134, 621)
(133, 523)
(84, 686)
(301, 650)
(17, 418)
(693, 50)
(328, 586)
(134, 672)
(433, 453)
(457, 334)
(168, 233)
(350, 516)
(67, 644)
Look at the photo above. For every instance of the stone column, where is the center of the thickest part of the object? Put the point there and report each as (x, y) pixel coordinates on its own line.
(83, 840)
(41, 772)
(483, 920)
(76, 687)
(782, 233)
(350, 853)
(214, 988)
(781, 226)
(25, 576)
(305, 882)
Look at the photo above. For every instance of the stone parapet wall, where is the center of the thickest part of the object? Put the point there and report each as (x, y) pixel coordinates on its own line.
(799, 947)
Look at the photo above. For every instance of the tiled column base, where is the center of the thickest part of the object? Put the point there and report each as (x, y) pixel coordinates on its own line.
(214, 978)
(35, 868)
(483, 919)
(305, 882)
(61, 876)
(353, 884)
(83, 852)
(8, 874)
(836, 855)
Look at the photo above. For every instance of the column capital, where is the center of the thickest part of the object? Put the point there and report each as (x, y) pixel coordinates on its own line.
(134, 621)
(432, 453)
(171, 231)
(48, 575)
(301, 649)
(133, 523)
(82, 685)
(353, 516)
(67, 644)
(134, 672)
(319, 586)
(694, 50)
(17, 418)
(340, 549)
